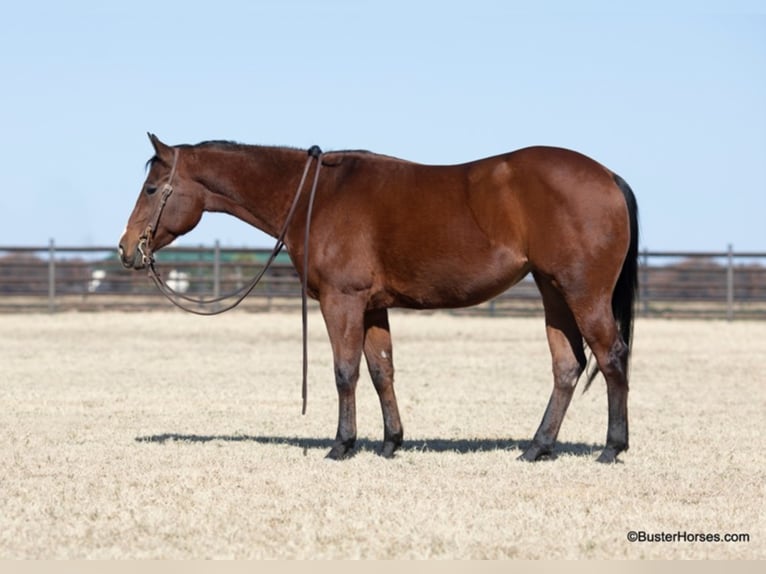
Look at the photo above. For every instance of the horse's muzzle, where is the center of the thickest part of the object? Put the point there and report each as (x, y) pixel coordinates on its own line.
(134, 260)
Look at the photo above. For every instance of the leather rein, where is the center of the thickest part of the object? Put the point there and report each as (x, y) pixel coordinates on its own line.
(203, 306)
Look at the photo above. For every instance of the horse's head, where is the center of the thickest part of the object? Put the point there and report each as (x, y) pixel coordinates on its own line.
(169, 205)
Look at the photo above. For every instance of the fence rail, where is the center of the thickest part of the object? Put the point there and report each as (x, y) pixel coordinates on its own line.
(55, 278)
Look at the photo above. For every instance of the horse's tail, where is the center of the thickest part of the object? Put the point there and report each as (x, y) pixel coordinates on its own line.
(626, 290)
(624, 296)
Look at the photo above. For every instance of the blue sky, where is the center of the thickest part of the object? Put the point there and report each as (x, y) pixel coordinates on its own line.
(671, 95)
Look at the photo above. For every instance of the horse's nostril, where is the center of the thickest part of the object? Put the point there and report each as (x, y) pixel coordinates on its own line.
(122, 258)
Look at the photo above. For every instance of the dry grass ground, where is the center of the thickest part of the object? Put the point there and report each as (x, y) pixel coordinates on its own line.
(163, 435)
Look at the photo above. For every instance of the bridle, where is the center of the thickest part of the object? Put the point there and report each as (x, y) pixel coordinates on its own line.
(144, 241)
(178, 299)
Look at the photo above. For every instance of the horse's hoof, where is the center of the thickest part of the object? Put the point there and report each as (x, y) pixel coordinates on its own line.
(534, 453)
(339, 451)
(389, 449)
(609, 455)
(336, 454)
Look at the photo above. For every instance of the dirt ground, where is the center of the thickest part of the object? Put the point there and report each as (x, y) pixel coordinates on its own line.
(163, 435)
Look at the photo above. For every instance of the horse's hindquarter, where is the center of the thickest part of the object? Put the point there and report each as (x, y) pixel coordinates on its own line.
(577, 217)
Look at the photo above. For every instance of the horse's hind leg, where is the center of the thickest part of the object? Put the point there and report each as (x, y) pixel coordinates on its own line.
(566, 347)
(600, 331)
(378, 353)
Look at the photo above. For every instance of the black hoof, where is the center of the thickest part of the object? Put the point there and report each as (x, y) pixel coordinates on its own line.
(609, 454)
(340, 451)
(536, 452)
(389, 449)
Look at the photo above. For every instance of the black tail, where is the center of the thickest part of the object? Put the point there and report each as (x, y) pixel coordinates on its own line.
(624, 296)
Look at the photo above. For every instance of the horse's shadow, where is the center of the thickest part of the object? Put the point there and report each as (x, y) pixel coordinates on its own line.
(460, 446)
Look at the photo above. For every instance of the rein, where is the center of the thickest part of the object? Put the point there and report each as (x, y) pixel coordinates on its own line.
(178, 299)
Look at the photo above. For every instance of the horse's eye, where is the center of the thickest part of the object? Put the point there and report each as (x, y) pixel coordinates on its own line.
(151, 189)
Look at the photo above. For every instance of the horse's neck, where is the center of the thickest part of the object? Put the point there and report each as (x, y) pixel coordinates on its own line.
(254, 184)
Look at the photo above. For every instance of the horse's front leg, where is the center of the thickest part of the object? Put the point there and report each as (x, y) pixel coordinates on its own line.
(379, 356)
(344, 318)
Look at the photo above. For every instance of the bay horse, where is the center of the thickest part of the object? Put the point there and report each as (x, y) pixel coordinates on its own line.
(386, 233)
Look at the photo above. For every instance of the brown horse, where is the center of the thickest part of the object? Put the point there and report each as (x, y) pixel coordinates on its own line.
(392, 233)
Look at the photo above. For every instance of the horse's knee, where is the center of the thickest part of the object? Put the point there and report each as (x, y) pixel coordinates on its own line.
(346, 376)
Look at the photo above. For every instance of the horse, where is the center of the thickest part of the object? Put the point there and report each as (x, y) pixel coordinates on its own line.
(386, 233)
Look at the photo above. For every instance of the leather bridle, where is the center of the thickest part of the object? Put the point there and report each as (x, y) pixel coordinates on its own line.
(146, 238)
(178, 299)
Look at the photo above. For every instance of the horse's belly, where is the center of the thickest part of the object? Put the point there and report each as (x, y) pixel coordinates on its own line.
(451, 282)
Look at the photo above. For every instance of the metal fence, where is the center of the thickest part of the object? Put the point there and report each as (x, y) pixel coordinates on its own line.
(54, 278)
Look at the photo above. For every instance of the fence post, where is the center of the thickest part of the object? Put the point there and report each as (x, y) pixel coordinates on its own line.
(217, 269)
(730, 284)
(51, 276)
(644, 286)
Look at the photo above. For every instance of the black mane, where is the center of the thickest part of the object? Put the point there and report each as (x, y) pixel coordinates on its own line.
(223, 144)
(220, 144)
(238, 146)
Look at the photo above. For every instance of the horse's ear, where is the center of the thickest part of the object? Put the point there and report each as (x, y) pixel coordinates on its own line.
(160, 149)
